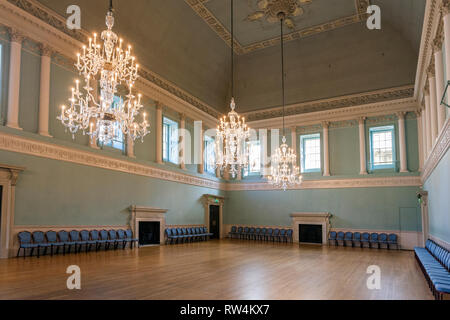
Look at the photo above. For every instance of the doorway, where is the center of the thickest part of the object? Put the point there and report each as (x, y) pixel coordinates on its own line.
(214, 221)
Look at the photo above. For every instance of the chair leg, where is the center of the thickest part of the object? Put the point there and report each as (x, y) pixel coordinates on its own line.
(31, 252)
(45, 251)
(18, 252)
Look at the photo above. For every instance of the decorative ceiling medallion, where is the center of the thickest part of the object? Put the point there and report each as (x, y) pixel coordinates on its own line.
(269, 9)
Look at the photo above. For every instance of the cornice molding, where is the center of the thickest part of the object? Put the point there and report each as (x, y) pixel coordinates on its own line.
(400, 181)
(334, 104)
(439, 150)
(339, 114)
(208, 17)
(41, 149)
(429, 31)
(45, 26)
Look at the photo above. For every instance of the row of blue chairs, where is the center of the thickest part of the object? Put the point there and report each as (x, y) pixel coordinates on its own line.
(354, 238)
(75, 239)
(182, 235)
(265, 234)
(434, 261)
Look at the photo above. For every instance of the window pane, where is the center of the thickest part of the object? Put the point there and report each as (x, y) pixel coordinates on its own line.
(118, 142)
(170, 140)
(382, 146)
(209, 155)
(310, 152)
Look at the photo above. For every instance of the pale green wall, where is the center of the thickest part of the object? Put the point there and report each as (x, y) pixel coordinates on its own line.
(344, 151)
(358, 208)
(60, 193)
(438, 187)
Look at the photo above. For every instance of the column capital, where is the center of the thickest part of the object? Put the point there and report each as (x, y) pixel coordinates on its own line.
(437, 42)
(400, 115)
(418, 112)
(325, 124)
(46, 50)
(16, 36)
(182, 116)
(431, 71)
(158, 105)
(361, 120)
(293, 129)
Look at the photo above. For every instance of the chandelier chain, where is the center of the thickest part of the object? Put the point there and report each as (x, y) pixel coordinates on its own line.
(232, 48)
(282, 70)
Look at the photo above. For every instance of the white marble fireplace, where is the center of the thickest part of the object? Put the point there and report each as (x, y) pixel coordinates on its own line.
(311, 218)
(148, 214)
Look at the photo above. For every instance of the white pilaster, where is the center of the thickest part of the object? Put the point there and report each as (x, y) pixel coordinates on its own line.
(44, 96)
(362, 146)
(12, 119)
(402, 141)
(182, 141)
(428, 121)
(433, 104)
(159, 130)
(201, 168)
(264, 157)
(439, 71)
(419, 117)
(326, 150)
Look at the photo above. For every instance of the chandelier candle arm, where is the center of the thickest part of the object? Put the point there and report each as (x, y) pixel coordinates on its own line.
(113, 67)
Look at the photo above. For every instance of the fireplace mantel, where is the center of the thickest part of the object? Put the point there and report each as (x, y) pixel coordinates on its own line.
(148, 214)
(317, 218)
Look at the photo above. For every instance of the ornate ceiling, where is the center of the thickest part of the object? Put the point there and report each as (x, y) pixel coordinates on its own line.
(256, 21)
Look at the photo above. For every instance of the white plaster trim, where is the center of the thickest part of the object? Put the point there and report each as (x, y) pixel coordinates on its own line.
(148, 214)
(51, 151)
(400, 181)
(440, 242)
(338, 114)
(439, 150)
(429, 29)
(311, 218)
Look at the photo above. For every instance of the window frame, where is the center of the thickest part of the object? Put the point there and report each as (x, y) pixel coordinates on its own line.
(112, 144)
(386, 128)
(248, 172)
(167, 158)
(206, 167)
(304, 138)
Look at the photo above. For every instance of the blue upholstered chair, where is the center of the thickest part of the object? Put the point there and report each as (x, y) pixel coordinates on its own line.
(251, 233)
(340, 237)
(365, 238)
(25, 242)
(86, 240)
(52, 239)
(357, 238)
(169, 236)
(392, 240)
(131, 239)
(240, 231)
(233, 231)
(383, 240)
(200, 235)
(269, 233)
(332, 238)
(348, 238)
(205, 231)
(257, 233)
(282, 235)
(289, 234)
(113, 238)
(104, 238)
(245, 232)
(262, 234)
(180, 234)
(39, 239)
(121, 238)
(64, 238)
(95, 236)
(75, 237)
(276, 234)
(374, 240)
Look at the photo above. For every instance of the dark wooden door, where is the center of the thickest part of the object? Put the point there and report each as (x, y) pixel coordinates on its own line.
(214, 221)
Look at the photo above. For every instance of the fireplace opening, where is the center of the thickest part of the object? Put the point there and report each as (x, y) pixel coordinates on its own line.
(149, 233)
(310, 233)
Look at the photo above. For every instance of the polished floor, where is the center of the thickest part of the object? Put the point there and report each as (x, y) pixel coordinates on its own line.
(227, 269)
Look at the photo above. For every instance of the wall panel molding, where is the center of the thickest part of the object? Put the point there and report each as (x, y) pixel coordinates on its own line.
(439, 150)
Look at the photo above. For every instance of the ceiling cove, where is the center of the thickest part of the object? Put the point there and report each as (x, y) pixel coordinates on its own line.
(258, 29)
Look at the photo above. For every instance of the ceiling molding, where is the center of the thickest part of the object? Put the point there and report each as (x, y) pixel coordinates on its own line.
(331, 107)
(43, 25)
(199, 7)
(429, 30)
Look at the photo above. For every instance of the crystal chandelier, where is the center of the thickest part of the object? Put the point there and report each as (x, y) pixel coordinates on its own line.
(284, 169)
(114, 67)
(232, 132)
